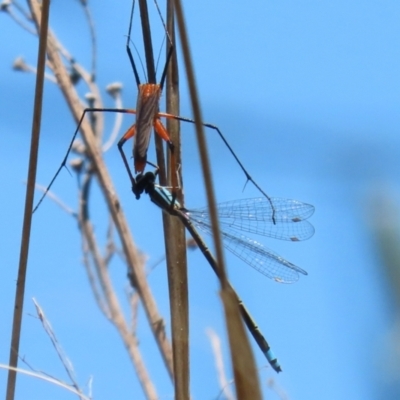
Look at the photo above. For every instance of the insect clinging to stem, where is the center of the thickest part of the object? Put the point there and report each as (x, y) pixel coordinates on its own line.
(148, 117)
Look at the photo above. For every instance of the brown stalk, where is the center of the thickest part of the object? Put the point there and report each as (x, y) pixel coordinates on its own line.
(26, 230)
(175, 240)
(246, 379)
(174, 234)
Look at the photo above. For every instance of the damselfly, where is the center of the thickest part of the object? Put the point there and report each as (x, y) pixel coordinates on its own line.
(250, 219)
(246, 215)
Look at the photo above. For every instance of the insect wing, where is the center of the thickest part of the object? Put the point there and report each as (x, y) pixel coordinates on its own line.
(255, 216)
(256, 255)
(146, 111)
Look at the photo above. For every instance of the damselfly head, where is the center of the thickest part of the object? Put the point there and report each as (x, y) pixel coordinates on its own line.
(143, 183)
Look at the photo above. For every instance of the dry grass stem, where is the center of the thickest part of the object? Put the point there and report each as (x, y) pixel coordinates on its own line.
(45, 378)
(26, 230)
(246, 379)
(60, 352)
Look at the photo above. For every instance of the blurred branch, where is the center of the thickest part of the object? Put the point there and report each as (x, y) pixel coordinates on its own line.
(219, 363)
(271, 383)
(101, 284)
(57, 200)
(20, 65)
(45, 378)
(386, 227)
(109, 300)
(60, 352)
(114, 90)
(92, 36)
(6, 6)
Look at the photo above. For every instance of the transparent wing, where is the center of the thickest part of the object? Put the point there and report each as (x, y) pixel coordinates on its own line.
(256, 255)
(255, 216)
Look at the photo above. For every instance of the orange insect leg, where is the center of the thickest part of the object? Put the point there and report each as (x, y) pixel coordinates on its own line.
(161, 130)
(163, 133)
(166, 115)
(129, 134)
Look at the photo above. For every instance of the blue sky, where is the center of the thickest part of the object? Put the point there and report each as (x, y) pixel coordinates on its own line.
(308, 94)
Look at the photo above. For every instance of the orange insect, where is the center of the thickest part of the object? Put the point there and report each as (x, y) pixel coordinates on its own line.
(148, 118)
(147, 107)
(147, 114)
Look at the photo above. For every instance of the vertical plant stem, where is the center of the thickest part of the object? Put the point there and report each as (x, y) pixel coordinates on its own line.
(26, 230)
(246, 380)
(175, 243)
(175, 240)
